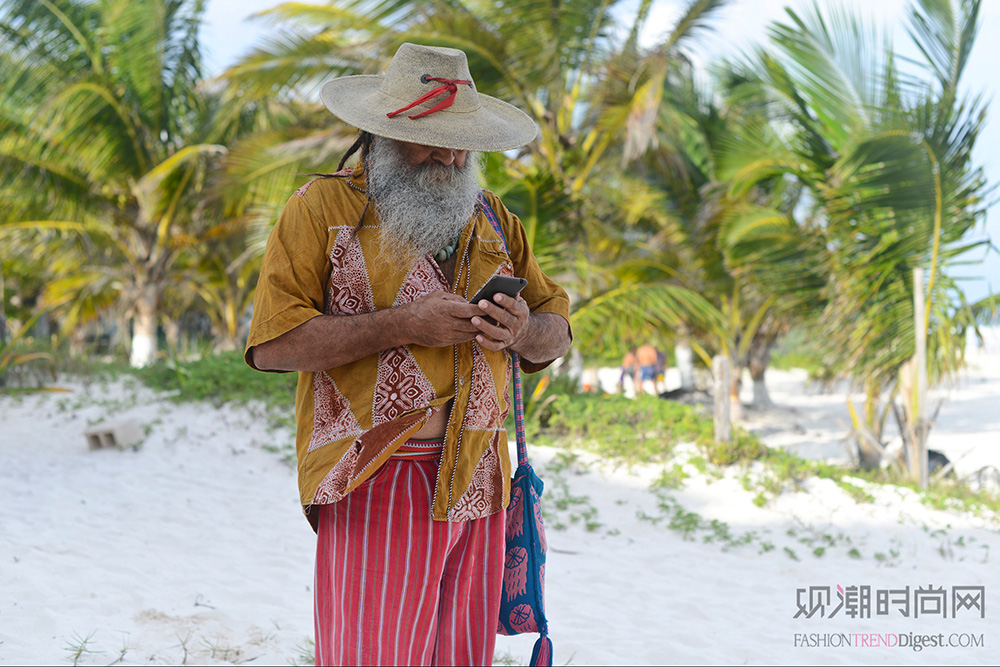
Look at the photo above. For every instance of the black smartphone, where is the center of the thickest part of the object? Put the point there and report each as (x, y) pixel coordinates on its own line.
(499, 285)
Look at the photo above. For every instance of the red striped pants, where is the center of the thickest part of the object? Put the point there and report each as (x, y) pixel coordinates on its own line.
(394, 587)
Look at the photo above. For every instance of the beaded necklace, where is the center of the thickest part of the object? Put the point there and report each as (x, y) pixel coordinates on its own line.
(445, 253)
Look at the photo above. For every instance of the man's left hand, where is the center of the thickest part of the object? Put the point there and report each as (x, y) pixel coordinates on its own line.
(505, 321)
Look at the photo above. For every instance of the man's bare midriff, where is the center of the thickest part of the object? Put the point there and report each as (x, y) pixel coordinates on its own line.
(436, 426)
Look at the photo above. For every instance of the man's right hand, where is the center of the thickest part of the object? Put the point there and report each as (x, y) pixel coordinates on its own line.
(440, 319)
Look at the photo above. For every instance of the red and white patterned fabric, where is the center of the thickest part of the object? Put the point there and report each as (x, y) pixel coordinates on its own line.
(333, 418)
(350, 285)
(400, 386)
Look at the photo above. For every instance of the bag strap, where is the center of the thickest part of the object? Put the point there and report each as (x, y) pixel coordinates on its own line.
(522, 446)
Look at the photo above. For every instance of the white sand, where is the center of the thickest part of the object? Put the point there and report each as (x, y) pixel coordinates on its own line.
(193, 547)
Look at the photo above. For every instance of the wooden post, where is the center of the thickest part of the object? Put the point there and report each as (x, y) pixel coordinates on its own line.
(720, 374)
(920, 390)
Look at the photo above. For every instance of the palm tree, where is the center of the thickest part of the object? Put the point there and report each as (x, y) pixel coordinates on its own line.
(107, 137)
(886, 161)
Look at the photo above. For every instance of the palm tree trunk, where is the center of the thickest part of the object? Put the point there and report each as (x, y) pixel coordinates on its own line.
(172, 332)
(761, 397)
(869, 454)
(78, 341)
(735, 384)
(226, 339)
(144, 327)
(759, 358)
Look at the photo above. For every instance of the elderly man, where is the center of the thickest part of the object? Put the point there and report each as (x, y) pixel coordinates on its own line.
(403, 383)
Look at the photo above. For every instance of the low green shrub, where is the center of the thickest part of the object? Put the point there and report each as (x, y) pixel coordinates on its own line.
(220, 378)
(639, 430)
(636, 430)
(742, 448)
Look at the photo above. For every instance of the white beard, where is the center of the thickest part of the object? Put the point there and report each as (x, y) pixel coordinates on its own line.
(421, 208)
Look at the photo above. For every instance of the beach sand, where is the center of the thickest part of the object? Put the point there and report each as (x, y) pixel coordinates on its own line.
(192, 547)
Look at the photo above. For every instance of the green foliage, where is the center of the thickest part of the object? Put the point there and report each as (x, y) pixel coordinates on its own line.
(799, 350)
(220, 378)
(639, 430)
(305, 653)
(671, 478)
(561, 507)
(742, 448)
(692, 525)
(16, 355)
(90, 368)
(782, 470)
(594, 96)
(947, 494)
(22, 368)
(856, 492)
(891, 559)
(79, 648)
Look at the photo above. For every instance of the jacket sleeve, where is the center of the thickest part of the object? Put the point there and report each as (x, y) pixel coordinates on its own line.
(293, 275)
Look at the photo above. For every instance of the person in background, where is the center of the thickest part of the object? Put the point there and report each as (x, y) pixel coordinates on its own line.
(647, 358)
(661, 371)
(630, 369)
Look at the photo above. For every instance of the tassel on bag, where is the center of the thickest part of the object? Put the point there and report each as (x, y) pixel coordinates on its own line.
(541, 656)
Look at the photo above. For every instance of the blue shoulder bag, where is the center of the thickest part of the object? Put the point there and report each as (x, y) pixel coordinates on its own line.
(522, 608)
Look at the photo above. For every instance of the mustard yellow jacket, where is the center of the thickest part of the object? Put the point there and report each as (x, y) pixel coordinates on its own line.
(352, 418)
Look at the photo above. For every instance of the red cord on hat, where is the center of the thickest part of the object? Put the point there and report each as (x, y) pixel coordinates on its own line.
(447, 86)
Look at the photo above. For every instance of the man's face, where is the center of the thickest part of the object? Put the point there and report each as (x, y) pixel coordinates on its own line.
(418, 155)
(424, 195)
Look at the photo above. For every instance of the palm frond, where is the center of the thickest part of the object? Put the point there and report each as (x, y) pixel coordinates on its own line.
(944, 32)
(627, 309)
(986, 311)
(831, 59)
(696, 18)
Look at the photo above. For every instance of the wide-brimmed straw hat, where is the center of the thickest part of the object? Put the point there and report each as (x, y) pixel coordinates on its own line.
(427, 96)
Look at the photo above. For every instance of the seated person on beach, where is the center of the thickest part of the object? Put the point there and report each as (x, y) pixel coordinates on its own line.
(404, 384)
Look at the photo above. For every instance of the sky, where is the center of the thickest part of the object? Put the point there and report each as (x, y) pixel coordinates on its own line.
(228, 34)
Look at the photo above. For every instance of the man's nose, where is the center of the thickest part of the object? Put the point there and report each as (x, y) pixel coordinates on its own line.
(445, 156)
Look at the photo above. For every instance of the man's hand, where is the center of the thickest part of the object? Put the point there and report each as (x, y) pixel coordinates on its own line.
(505, 323)
(439, 319)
